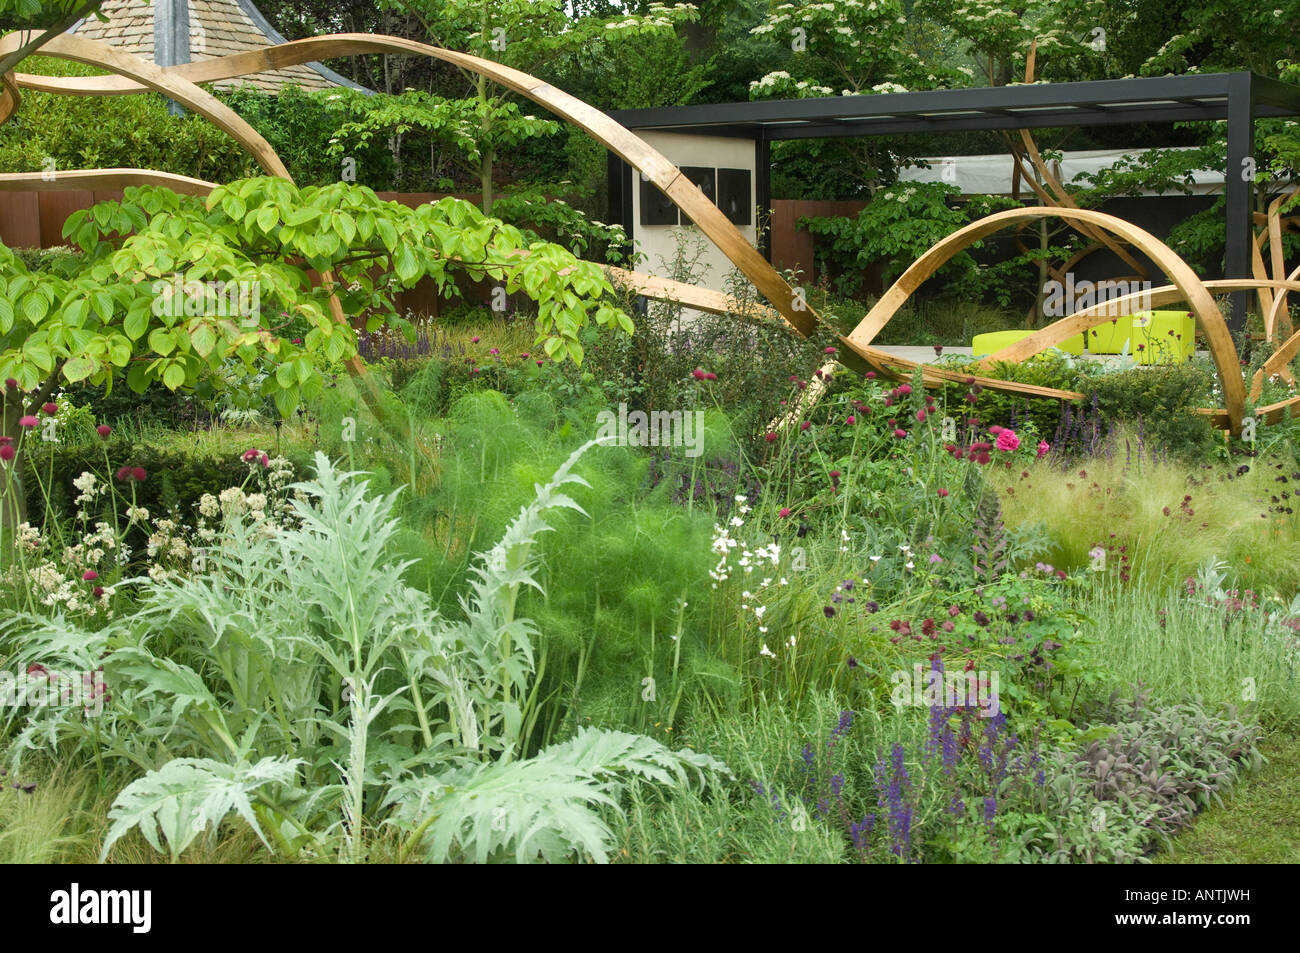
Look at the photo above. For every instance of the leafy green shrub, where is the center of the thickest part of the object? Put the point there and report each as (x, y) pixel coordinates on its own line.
(1111, 799)
(897, 226)
(59, 260)
(299, 126)
(754, 359)
(1161, 400)
(1006, 409)
(96, 132)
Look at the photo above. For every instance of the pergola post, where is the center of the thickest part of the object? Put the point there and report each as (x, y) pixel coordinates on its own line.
(171, 38)
(1239, 188)
(763, 188)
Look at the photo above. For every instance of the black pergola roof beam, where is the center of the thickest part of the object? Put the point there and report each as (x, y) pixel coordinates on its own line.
(988, 121)
(1085, 95)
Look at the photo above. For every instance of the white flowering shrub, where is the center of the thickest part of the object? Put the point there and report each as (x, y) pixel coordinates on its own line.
(75, 569)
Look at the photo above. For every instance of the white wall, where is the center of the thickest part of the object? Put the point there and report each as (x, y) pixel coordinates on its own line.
(656, 242)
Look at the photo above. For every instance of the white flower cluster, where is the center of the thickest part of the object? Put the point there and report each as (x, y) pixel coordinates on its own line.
(61, 583)
(770, 79)
(752, 602)
(70, 579)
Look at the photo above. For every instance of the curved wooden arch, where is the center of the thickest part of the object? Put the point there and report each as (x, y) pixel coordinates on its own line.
(1279, 263)
(103, 180)
(9, 95)
(1178, 271)
(179, 82)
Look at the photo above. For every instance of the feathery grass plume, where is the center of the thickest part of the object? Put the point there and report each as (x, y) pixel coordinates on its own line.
(1171, 516)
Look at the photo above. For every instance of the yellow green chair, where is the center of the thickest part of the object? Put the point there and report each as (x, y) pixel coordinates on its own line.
(1109, 337)
(994, 341)
(1163, 337)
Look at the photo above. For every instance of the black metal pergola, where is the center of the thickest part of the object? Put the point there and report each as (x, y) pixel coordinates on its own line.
(1239, 98)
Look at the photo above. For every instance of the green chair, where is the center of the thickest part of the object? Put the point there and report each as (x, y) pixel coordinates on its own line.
(1163, 337)
(994, 341)
(1109, 337)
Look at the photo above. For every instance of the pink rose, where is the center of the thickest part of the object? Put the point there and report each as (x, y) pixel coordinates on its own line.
(1043, 447)
(1008, 441)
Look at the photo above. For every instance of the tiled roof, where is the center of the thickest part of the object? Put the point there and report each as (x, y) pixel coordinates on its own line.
(217, 28)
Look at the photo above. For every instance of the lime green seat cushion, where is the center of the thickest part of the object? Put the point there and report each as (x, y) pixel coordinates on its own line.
(994, 341)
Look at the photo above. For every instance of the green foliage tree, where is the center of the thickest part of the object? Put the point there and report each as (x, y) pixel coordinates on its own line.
(176, 289)
(487, 122)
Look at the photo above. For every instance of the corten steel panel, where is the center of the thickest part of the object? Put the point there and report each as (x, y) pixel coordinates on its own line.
(793, 247)
(55, 209)
(20, 219)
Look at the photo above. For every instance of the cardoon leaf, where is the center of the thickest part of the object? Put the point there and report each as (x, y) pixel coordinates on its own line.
(184, 796)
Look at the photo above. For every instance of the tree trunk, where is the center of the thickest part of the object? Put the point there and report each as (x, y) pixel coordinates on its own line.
(485, 179)
(1042, 273)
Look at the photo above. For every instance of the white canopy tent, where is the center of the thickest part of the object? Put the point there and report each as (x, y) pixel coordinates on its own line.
(991, 174)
